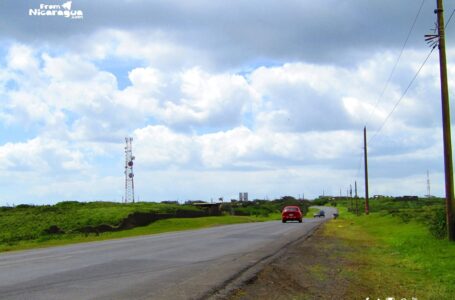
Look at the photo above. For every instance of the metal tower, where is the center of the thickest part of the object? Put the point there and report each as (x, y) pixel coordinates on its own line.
(129, 174)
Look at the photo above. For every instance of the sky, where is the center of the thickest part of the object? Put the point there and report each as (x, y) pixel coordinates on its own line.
(220, 97)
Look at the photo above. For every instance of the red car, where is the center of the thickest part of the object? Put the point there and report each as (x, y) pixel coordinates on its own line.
(291, 213)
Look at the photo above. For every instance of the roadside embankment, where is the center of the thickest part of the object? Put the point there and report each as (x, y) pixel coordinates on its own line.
(375, 256)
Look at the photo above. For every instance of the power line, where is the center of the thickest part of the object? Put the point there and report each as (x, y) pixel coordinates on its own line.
(403, 95)
(396, 62)
(389, 79)
(450, 18)
(359, 165)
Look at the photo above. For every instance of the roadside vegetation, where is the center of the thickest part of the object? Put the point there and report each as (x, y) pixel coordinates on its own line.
(29, 226)
(392, 253)
(429, 212)
(399, 250)
(392, 257)
(265, 208)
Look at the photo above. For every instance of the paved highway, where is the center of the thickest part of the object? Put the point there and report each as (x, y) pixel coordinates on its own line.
(183, 265)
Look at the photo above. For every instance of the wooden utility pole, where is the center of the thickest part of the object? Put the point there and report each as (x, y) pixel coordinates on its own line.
(350, 198)
(367, 206)
(448, 164)
(356, 200)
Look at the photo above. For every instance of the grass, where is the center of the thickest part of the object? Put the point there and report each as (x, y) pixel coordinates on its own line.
(28, 226)
(25, 222)
(393, 258)
(161, 226)
(311, 212)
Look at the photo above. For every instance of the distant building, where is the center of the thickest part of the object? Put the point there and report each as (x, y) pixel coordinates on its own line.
(243, 196)
(406, 198)
(190, 202)
(170, 202)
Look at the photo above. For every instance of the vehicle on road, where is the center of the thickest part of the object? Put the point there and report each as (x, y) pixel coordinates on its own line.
(291, 213)
(320, 214)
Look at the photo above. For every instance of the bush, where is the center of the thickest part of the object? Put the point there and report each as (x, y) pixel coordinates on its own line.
(437, 223)
(320, 201)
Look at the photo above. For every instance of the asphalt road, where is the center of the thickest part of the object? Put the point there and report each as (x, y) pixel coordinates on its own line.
(183, 265)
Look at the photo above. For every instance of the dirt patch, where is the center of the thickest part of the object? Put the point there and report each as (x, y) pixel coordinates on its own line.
(133, 220)
(138, 219)
(54, 229)
(313, 269)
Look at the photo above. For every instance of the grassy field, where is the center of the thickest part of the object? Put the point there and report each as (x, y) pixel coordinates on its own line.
(27, 226)
(25, 222)
(427, 211)
(311, 212)
(394, 258)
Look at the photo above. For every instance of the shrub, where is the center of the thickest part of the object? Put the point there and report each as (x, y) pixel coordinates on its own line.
(437, 223)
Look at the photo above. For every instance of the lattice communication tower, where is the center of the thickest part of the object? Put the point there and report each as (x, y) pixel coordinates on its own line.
(129, 174)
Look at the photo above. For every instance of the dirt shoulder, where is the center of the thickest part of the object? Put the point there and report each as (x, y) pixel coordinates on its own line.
(316, 268)
(365, 257)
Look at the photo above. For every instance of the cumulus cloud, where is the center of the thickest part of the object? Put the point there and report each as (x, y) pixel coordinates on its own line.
(41, 156)
(264, 97)
(211, 100)
(240, 31)
(240, 148)
(21, 58)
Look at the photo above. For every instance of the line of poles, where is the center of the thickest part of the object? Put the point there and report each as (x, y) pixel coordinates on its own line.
(448, 162)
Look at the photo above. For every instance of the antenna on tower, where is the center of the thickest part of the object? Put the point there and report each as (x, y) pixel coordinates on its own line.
(129, 174)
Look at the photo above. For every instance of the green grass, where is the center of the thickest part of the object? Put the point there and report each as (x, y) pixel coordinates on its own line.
(29, 222)
(27, 226)
(24, 223)
(395, 258)
(161, 226)
(311, 212)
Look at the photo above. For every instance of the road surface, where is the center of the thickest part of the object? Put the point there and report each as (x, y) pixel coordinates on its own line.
(184, 265)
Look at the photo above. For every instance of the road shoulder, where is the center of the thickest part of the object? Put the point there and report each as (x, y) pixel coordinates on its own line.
(310, 269)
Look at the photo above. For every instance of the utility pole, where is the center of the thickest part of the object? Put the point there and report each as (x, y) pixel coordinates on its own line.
(350, 197)
(448, 164)
(367, 206)
(356, 200)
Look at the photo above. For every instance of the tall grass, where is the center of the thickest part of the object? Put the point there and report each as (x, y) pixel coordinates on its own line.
(398, 258)
(26, 222)
(427, 211)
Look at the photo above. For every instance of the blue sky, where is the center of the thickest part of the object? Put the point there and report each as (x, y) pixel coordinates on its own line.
(263, 97)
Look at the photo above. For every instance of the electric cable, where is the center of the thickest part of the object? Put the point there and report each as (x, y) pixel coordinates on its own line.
(450, 18)
(402, 96)
(396, 63)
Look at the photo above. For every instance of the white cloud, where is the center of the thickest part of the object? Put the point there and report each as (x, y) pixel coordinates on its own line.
(42, 157)
(159, 146)
(21, 58)
(146, 79)
(298, 118)
(239, 148)
(206, 99)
